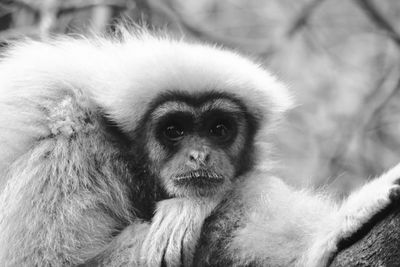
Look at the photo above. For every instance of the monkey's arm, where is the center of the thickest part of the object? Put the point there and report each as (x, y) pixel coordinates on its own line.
(298, 230)
(359, 210)
(174, 231)
(263, 223)
(217, 232)
(169, 239)
(62, 198)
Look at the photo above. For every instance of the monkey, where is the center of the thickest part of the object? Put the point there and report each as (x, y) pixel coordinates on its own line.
(205, 136)
(104, 138)
(138, 149)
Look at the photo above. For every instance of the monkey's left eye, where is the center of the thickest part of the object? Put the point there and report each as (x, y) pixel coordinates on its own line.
(173, 133)
(220, 131)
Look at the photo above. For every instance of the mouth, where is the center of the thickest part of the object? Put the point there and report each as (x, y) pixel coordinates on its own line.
(199, 178)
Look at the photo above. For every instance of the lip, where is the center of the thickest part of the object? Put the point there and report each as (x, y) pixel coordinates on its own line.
(199, 177)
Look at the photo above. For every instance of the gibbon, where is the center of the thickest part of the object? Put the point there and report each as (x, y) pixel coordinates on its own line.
(115, 151)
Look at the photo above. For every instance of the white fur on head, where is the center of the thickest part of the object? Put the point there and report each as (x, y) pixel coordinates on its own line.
(122, 75)
(157, 64)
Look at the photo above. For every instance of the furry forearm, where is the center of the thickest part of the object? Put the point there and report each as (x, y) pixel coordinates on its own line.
(51, 211)
(169, 239)
(175, 230)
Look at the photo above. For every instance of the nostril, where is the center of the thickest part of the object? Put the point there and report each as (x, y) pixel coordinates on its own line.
(199, 156)
(207, 158)
(194, 156)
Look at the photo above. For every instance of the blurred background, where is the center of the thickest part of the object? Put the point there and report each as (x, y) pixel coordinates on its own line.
(339, 57)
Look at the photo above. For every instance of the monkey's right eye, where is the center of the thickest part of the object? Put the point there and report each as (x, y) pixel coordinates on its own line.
(174, 133)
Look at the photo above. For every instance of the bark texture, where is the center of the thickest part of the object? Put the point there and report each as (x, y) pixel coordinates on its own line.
(377, 244)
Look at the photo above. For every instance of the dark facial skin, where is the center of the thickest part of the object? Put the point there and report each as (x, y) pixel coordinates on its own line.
(214, 130)
(217, 127)
(199, 143)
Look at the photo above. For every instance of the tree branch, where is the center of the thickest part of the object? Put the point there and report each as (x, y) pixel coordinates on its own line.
(303, 17)
(75, 5)
(167, 9)
(377, 244)
(29, 5)
(379, 20)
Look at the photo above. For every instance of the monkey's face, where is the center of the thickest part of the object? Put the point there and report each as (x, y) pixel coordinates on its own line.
(198, 144)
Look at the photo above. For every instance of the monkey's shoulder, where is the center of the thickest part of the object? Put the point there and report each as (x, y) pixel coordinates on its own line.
(69, 115)
(47, 116)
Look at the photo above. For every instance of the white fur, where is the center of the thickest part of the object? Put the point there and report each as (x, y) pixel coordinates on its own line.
(122, 76)
(284, 227)
(40, 84)
(175, 230)
(125, 249)
(356, 211)
(279, 222)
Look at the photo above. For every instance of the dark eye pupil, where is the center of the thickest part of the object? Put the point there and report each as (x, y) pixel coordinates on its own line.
(173, 132)
(219, 130)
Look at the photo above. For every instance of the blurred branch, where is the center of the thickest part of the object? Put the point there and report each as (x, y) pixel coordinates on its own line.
(68, 6)
(379, 20)
(76, 5)
(11, 4)
(145, 9)
(377, 100)
(304, 16)
(389, 141)
(48, 16)
(167, 9)
(370, 107)
(384, 96)
(18, 32)
(46, 13)
(101, 16)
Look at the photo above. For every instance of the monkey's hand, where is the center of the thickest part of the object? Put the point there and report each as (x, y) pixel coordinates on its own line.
(174, 231)
(355, 212)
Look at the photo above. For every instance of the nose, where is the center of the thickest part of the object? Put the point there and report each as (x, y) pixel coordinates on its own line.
(199, 156)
